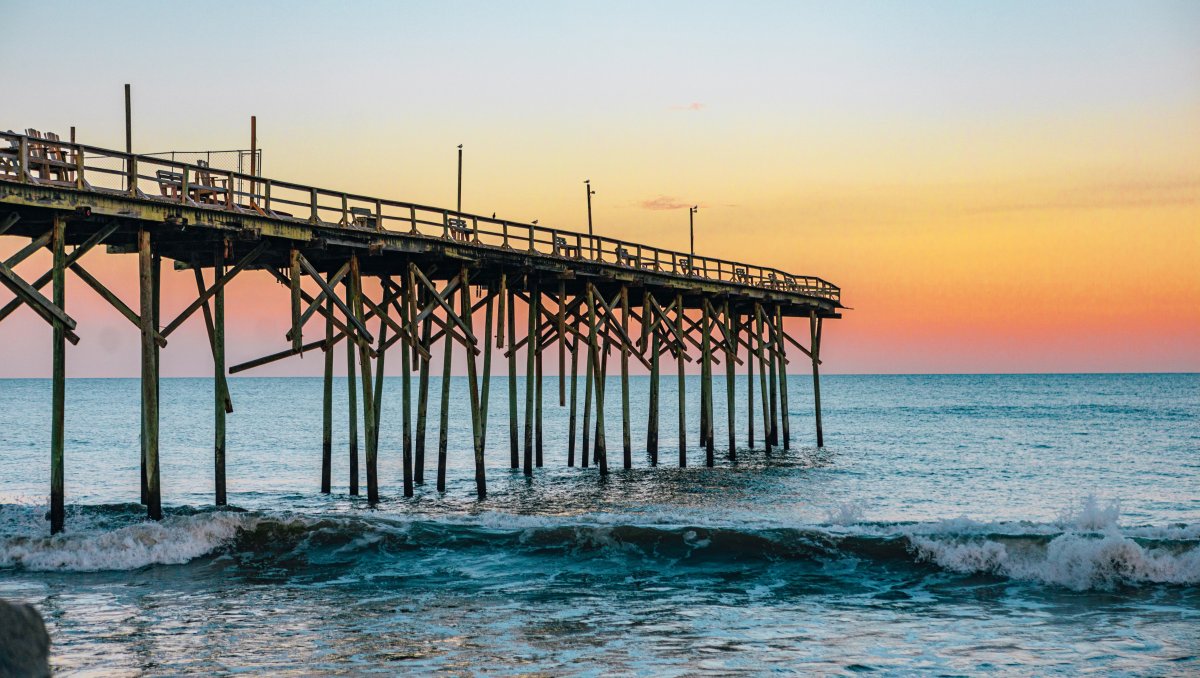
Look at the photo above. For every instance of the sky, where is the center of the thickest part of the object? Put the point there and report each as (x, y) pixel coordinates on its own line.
(996, 187)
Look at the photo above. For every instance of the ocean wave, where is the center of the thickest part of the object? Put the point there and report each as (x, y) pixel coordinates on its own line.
(1086, 552)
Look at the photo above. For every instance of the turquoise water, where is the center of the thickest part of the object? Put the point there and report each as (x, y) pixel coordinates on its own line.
(953, 524)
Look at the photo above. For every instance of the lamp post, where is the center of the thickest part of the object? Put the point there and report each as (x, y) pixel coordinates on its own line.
(458, 207)
(692, 235)
(587, 187)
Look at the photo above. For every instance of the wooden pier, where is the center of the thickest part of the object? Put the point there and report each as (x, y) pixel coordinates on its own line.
(585, 297)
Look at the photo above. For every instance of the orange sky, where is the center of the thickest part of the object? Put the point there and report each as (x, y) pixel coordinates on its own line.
(995, 190)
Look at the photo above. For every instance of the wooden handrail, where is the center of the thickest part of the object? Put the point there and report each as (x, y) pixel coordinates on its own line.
(266, 192)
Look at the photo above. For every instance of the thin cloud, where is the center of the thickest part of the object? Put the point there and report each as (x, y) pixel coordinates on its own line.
(1134, 194)
(664, 202)
(694, 106)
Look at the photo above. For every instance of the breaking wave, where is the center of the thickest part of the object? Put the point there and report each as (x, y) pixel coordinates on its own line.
(1086, 550)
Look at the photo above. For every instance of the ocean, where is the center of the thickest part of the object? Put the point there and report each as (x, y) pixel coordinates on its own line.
(1012, 524)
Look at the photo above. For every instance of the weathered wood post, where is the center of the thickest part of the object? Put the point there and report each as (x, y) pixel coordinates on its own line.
(514, 453)
(585, 453)
(781, 352)
(408, 314)
(486, 388)
(601, 440)
(730, 379)
(351, 392)
(768, 337)
(444, 414)
(380, 352)
(626, 443)
(601, 452)
(422, 389)
(706, 413)
(59, 388)
(682, 386)
(574, 397)
(815, 346)
(655, 350)
(472, 382)
(562, 342)
(760, 354)
(364, 360)
(537, 436)
(294, 278)
(749, 326)
(149, 376)
(531, 342)
(327, 403)
(220, 385)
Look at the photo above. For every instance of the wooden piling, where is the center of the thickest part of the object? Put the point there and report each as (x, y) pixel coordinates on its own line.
(815, 349)
(574, 398)
(749, 381)
(422, 393)
(781, 353)
(514, 452)
(562, 342)
(769, 338)
(59, 388)
(585, 453)
(706, 414)
(380, 353)
(351, 394)
(599, 439)
(486, 386)
(472, 383)
(600, 451)
(757, 338)
(368, 405)
(444, 413)
(730, 379)
(294, 277)
(149, 376)
(408, 312)
(682, 386)
(327, 405)
(626, 442)
(655, 350)
(220, 385)
(537, 416)
(531, 342)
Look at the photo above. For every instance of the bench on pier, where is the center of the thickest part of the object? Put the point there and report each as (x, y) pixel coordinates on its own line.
(361, 216)
(8, 157)
(562, 249)
(741, 276)
(457, 229)
(49, 160)
(685, 264)
(206, 189)
(626, 258)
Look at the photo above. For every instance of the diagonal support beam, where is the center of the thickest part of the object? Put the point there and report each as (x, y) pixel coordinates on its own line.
(74, 256)
(441, 301)
(320, 298)
(112, 299)
(40, 304)
(33, 246)
(9, 221)
(217, 285)
(337, 301)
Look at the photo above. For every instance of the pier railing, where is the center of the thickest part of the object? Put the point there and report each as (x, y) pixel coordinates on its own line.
(32, 160)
